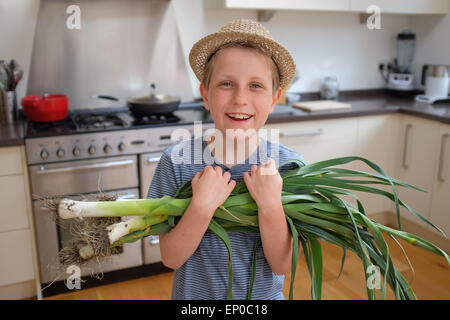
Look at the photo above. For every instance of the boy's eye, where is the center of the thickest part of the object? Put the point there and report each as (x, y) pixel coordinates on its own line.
(256, 85)
(226, 83)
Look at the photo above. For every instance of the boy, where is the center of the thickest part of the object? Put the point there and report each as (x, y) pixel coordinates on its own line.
(242, 72)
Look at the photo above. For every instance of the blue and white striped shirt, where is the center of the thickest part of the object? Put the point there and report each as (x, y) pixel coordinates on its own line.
(205, 274)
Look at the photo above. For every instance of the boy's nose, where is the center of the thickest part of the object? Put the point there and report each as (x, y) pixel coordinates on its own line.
(240, 96)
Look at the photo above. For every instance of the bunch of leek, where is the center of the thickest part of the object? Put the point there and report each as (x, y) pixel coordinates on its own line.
(314, 211)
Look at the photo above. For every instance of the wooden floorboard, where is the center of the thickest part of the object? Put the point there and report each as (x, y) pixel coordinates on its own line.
(431, 278)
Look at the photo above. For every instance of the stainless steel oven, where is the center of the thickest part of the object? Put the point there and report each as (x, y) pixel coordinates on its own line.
(120, 174)
(111, 153)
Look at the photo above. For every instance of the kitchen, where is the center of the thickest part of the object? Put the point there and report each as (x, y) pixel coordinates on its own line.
(119, 49)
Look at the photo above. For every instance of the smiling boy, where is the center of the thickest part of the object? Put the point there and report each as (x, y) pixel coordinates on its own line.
(242, 72)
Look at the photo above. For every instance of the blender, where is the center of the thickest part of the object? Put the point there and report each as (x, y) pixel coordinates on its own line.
(400, 80)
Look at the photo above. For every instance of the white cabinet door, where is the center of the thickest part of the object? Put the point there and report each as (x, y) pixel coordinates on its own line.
(375, 143)
(16, 264)
(13, 206)
(319, 140)
(402, 6)
(11, 161)
(440, 203)
(419, 150)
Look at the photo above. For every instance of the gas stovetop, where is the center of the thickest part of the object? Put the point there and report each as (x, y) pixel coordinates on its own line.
(103, 120)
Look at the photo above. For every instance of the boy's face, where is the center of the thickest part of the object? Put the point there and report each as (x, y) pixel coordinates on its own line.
(240, 91)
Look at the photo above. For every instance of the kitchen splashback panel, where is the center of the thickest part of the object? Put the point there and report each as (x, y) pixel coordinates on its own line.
(121, 47)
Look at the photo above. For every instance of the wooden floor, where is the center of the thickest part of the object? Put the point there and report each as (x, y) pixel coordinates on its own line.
(431, 278)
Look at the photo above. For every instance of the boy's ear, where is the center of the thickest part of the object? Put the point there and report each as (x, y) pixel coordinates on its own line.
(275, 99)
(204, 94)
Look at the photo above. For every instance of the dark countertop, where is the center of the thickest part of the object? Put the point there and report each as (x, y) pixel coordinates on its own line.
(364, 103)
(11, 134)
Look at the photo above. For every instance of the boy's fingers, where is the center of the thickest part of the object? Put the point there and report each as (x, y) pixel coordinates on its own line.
(231, 184)
(218, 169)
(227, 175)
(253, 169)
(197, 175)
(208, 168)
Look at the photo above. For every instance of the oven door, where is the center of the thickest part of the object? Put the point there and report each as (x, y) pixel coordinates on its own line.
(113, 175)
(147, 165)
(51, 238)
(84, 176)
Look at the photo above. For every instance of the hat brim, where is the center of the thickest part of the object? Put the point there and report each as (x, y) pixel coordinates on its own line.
(205, 47)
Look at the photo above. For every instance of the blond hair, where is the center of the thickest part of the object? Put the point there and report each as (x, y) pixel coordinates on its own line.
(241, 44)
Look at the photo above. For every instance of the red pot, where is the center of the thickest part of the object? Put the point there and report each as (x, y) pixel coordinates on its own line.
(49, 108)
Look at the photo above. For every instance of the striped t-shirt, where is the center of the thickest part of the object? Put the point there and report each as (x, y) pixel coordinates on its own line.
(205, 274)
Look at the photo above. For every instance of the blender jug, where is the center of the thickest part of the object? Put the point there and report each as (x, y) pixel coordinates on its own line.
(406, 44)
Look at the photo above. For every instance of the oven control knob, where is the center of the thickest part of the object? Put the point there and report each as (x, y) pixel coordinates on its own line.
(107, 148)
(91, 150)
(60, 152)
(44, 154)
(76, 152)
(121, 146)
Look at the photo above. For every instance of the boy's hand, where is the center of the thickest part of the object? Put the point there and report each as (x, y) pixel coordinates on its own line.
(265, 184)
(211, 187)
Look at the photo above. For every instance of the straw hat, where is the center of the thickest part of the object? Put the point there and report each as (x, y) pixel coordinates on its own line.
(243, 30)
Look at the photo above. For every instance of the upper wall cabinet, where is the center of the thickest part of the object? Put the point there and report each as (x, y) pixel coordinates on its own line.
(386, 6)
(316, 5)
(402, 6)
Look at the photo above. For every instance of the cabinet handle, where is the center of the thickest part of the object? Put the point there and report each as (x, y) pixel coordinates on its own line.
(153, 159)
(313, 132)
(441, 173)
(405, 147)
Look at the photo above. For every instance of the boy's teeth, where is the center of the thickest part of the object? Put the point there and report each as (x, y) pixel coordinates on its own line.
(239, 116)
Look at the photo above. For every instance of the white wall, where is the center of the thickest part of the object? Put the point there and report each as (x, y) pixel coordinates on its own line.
(433, 41)
(321, 43)
(17, 24)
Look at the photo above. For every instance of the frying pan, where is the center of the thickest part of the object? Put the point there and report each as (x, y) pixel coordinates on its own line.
(153, 104)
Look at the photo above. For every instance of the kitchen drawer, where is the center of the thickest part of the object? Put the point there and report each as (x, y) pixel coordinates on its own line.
(17, 261)
(11, 161)
(315, 131)
(319, 140)
(13, 209)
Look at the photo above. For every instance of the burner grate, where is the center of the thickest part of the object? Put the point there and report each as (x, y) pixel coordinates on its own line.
(98, 121)
(55, 127)
(156, 119)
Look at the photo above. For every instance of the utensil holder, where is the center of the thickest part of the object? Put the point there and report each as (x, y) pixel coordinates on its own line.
(8, 106)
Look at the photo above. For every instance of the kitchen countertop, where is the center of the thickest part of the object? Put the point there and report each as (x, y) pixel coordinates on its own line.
(364, 102)
(12, 134)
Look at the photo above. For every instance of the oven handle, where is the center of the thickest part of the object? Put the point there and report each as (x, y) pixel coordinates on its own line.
(43, 170)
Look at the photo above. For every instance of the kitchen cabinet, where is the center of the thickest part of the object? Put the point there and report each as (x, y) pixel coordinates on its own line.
(317, 5)
(402, 6)
(17, 267)
(11, 161)
(375, 143)
(418, 150)
(320, 139)
(386, 6)
(13, 209)
(440, 198)
(17, 262)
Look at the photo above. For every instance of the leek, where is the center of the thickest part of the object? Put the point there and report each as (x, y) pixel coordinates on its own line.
(314, 211)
